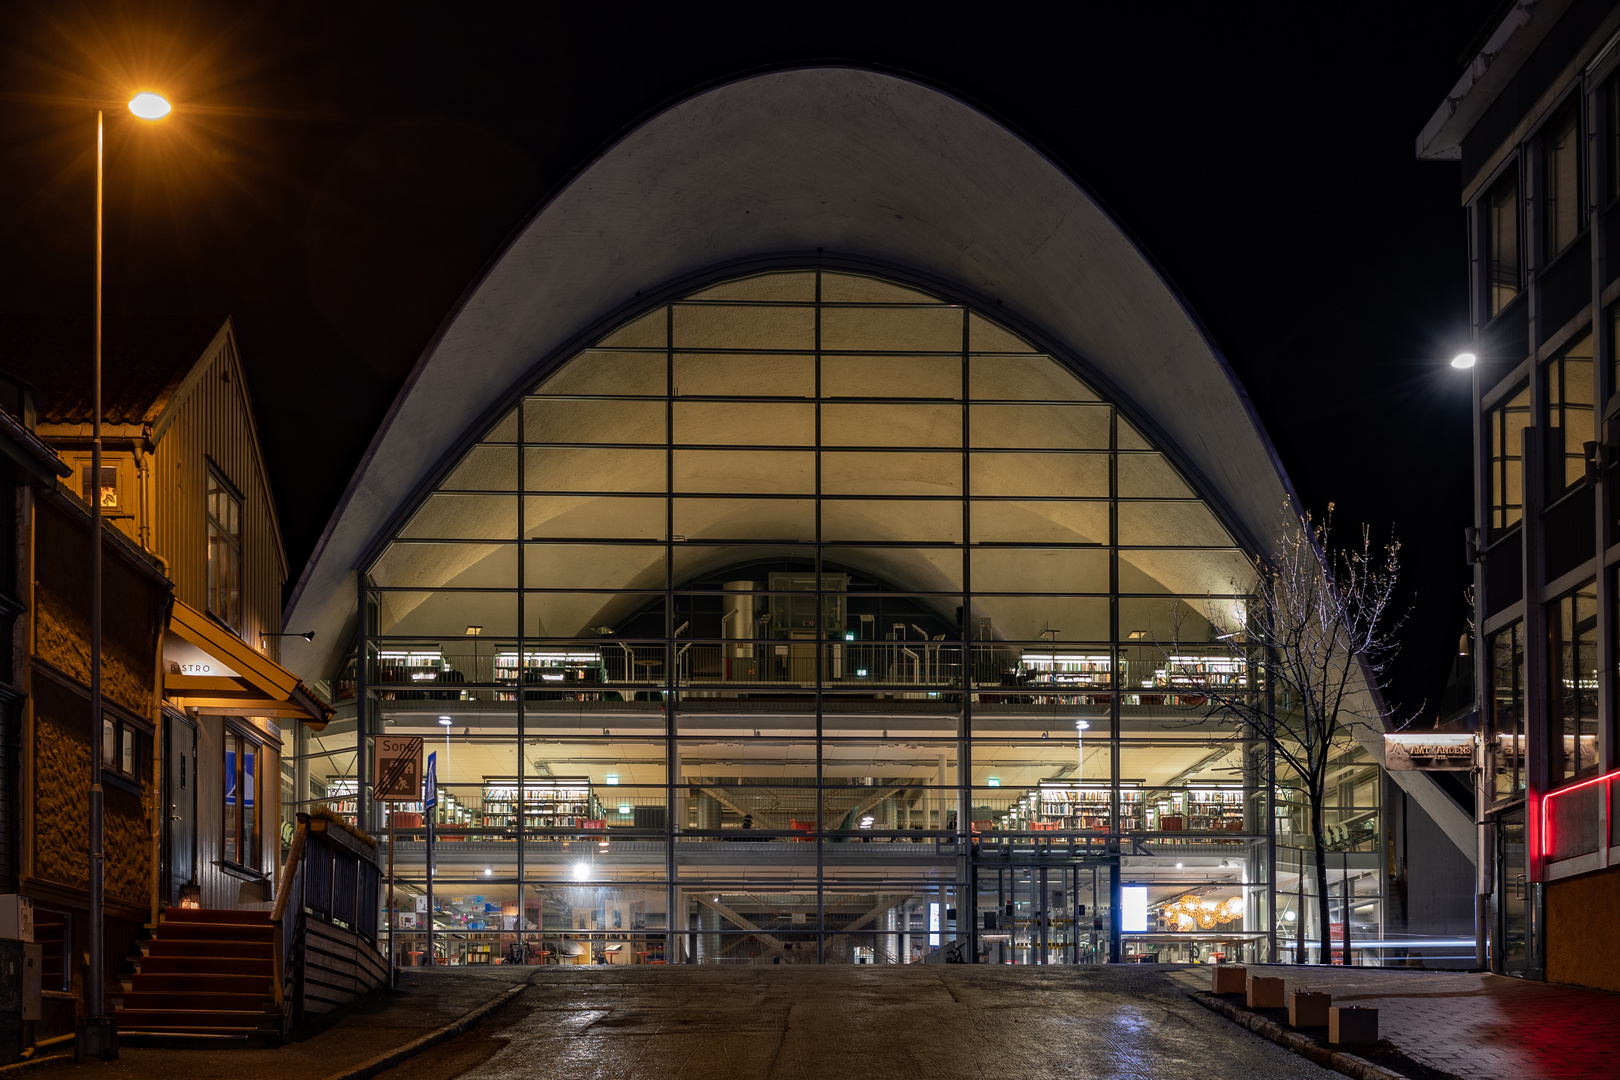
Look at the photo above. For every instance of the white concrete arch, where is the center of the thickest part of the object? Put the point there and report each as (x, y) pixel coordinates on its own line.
(864, 165)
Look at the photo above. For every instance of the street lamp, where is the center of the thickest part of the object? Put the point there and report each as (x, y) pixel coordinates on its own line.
(1463, 360)
(97, 1036)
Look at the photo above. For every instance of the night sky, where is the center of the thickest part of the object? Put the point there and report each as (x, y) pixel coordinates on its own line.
(337, 174)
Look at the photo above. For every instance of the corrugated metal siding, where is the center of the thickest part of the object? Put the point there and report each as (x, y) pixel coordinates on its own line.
(212, 423)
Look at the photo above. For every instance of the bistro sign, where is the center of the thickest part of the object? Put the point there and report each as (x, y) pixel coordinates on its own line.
(1428, 753)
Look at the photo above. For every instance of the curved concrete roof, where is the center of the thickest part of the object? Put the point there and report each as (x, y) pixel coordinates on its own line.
(860, 166)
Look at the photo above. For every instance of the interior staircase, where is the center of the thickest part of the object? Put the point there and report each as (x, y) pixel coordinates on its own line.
(205, 973)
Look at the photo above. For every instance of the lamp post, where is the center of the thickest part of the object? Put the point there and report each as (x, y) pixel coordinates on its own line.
(97, 1037)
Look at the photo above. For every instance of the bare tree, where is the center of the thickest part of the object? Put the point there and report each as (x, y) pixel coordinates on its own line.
(1320, 633)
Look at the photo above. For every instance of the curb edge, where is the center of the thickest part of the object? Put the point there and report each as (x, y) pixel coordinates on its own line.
(382, 1062)
(1340, 1062)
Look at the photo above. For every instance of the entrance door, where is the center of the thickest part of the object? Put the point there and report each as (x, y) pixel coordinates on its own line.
(180, 780)
(1512, 893)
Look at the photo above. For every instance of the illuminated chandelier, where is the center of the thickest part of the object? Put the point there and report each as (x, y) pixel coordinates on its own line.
(1204, 913)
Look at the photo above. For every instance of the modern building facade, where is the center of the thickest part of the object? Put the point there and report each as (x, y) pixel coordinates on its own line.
(797, 549)
(1535, 123)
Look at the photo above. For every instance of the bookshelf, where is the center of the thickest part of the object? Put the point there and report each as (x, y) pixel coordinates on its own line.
(547, 803)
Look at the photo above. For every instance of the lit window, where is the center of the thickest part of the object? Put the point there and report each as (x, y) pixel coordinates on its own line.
(109, 486)
(1569, 415)
(1507, 422)
(239, 843)
(224, 552)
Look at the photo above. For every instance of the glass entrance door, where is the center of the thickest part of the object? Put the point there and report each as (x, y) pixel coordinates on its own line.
(180, 830)
(1512, 893)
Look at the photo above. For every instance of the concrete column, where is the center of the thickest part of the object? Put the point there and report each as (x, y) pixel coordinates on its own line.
(890, 942)
(706, 809)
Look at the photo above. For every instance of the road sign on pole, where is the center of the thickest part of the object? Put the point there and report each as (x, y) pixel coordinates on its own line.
(399, 769)
(432, 798)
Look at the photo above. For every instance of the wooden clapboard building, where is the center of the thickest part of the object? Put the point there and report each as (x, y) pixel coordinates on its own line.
(184, 492)
(47, 730)
(183, 476)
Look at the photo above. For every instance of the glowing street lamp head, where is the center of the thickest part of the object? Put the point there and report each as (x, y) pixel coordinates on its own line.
(149, 106)
(1463, 360)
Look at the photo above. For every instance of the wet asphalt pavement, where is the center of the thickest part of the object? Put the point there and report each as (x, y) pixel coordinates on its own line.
(847, 1023)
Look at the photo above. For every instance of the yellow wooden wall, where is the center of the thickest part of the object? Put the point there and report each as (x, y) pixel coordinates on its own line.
(213, 422)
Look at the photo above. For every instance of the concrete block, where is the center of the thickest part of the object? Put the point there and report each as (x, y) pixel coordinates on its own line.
(1227, 979)
(1308, 1008)
(1265, 992)
(1352, 1025)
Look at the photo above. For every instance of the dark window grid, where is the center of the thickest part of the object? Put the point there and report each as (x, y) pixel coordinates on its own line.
(1506, 492)
(1572, 691)
(224, 508)
(1570, 393)
(1563, 210)
(1503, 268)
(1506, 728)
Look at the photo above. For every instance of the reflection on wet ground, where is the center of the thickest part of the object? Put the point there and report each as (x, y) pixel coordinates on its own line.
(844, 1023)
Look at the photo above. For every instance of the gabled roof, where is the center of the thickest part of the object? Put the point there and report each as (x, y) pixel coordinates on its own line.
(143, 363)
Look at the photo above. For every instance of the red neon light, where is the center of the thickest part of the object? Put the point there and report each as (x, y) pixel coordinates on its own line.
(1544, 844)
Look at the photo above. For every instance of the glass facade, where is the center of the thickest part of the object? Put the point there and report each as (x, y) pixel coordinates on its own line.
(812, 618)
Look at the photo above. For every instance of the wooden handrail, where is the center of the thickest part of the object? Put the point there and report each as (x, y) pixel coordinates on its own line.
(295, 852)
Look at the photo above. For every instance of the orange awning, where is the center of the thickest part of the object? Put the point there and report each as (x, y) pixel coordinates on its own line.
(210, 669)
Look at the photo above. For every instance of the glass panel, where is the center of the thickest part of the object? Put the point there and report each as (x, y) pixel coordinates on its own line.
(601, 371)
(581, 615)
(732, 375)
(485, 468)
(423, 613)
(650, 331)
(1192, 572)
(230, 850)
(1193, 620)
(745, 423)
(909, 569)
(250, 806)
(897, 473)
(465, 565)
(1041, 570)
(1507, 712)
(1054, 618)
(1150, 476)
(892, 329)
(985, 336)
(571, 469)
(1502, 240)
(852, 288)
(746, 472)
(593, 566)
(891, 376)
(1561, 154)
(1024, 378)
(553, 421)
(1572, 642)
(745, 519)
(1064, 476)
(891, 521)
(791, 287)
(1040, 522)
(1507, 422)
(1040, 427)
(464, 517)
(1170, 524)
(109, 742)
(591, 517)
(891, 425)
(717, 326)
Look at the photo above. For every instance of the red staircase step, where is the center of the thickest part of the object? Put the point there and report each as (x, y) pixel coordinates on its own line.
(147, 982)
(196, 965)
(201, 1019)
(215, 915)
(255, 950)
(144, 1001)
(215, 932)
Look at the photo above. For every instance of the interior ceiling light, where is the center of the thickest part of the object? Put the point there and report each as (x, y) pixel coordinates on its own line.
(446, 721)
(1463, 360)
(474, 631)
